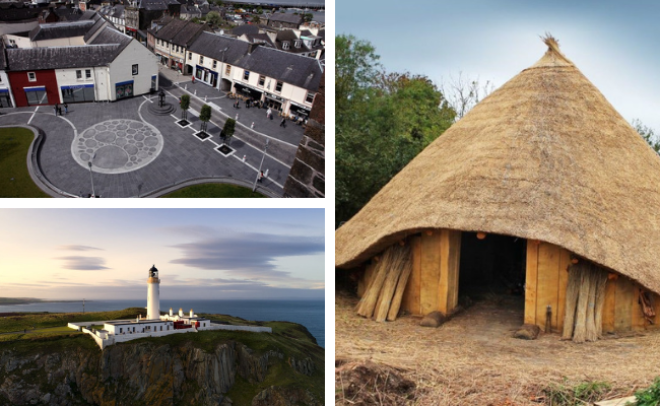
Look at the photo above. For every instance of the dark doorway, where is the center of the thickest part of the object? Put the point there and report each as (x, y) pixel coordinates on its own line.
(492, 265)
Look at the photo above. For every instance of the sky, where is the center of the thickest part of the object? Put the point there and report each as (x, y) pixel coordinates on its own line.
(200, 253)
(613, 43)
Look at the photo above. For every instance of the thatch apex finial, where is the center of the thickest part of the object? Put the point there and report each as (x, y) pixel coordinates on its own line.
(551, 42)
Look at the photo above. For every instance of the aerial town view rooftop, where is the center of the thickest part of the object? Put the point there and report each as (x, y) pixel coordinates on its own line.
(158, 98)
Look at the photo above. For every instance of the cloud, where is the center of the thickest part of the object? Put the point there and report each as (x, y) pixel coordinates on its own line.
(247, 255)
(78, 263)
(73, 247)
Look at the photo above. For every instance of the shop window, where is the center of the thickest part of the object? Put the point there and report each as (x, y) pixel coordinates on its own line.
(78, 94)
(246, 75)
(262, 80)
(32, 77)
(35, 97)
(278, 87)
(310, 97)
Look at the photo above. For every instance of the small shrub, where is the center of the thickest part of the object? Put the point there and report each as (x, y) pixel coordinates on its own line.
(586, 392)
(649, 396)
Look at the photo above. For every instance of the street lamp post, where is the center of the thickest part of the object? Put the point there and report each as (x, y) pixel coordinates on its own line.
(91, 178)
(260, 166)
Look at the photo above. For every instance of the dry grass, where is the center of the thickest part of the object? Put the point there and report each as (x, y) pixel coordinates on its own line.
(473, 360)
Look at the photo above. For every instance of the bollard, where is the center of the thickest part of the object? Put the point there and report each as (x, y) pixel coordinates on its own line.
(185, 87)
(236, 117)
(205, 99)
(252, 126)
(244, 158)
(195, 92)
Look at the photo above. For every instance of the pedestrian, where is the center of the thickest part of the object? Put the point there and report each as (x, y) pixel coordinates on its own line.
(193, 79)
(268, 113)
(59, 110)
(66, 108)
(283, 123)
(55, 108)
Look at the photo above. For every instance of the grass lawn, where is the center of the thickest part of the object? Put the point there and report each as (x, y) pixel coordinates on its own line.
(15, 180)
(214, 190)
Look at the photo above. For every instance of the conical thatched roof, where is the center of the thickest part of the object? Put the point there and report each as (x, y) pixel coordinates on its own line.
(544, 157)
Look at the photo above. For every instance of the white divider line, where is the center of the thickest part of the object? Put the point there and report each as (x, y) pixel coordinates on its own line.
(256, 170)
(32, 116)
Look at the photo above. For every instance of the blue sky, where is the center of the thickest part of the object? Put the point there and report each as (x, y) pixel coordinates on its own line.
(614, 43)
(200, 253)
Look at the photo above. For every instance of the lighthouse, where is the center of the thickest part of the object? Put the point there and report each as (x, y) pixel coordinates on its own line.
(153, 294)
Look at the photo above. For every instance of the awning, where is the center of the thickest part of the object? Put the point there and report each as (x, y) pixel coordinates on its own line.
(35, 89)
(128, 82)
(74, 87)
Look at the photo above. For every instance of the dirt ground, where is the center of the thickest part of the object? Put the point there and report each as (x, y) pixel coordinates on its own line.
(473, 359)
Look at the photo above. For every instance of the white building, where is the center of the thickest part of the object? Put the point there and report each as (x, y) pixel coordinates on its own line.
(284, 81)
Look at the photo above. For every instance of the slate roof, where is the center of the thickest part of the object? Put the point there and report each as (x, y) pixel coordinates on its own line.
(179, 32)
(190, 10)
(84, 56)
(68, 13)
(245, 29)
(297, 70)
(156, 4)
(14, 11)
(211, 45)
(287, 18)
(60, 30)
(3, 61)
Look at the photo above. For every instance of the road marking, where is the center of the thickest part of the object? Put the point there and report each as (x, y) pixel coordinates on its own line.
(31, 117)
(147, 99)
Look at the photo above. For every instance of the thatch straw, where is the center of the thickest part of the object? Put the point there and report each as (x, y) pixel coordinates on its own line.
(544, 157)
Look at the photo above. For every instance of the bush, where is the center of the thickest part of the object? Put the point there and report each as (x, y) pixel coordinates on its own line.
(649, 396)
(584, 393)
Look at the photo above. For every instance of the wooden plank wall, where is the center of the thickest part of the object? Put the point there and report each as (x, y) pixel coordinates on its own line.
(546, 284)
(433, 283)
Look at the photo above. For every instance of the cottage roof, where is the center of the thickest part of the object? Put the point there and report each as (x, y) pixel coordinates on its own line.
(297, 70)
(211, 45)
(84, 56)
(180, 32)
(245, 29)
(60, 30)
(545, 157)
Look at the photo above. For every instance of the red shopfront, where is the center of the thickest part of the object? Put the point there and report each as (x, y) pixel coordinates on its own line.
(34, 88)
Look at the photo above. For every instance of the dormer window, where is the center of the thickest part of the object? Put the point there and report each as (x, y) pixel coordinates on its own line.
(310, 97)
(285, 45)
(297, 44)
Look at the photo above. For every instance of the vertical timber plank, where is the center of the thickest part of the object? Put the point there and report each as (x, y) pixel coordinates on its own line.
(454, 267)
(530, 281)
(624, 301)
(547, 282)
(656, 306)
(558, 316)
(430, 275)
(364, 282)
(609, 306)
(410, 302)
(444, 287)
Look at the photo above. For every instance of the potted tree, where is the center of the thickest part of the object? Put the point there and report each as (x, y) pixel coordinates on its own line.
(185, 105)
(204, 117)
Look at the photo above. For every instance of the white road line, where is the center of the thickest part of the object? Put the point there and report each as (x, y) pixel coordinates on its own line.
(31, 117)
(147, 99)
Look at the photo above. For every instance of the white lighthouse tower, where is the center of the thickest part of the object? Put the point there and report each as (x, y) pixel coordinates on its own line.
(153, 294)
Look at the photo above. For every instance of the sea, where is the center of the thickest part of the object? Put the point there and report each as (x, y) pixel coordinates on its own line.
(310, 314)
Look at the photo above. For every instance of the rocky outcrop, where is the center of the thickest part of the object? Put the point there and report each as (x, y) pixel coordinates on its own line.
(279, 396)
(304, 366)
(133, 373)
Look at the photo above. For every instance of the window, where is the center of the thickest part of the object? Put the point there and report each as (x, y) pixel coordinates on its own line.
(310, 97)
(215, 64)
(190, 56)
(201, 59)
(135, 70)
(32, 77)
(285, 45)
(120, 330)
(262, 79)
(36, 96)
(297, 44)
(78, 74)
(278, 88)
(88, 73)
(246, 75)
(228, 70)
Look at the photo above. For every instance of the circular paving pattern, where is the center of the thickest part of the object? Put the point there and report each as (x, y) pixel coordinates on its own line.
(117, 146)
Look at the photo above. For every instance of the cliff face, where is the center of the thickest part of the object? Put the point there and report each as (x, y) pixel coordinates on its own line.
(158, 372)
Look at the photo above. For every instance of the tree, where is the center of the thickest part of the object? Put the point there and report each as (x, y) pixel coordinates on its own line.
(213, 18)
(260, 10)
(185, 105)
(382, 121)
(195, 20)
(228, 128)
(256, 19)
(308, 17)
(648, 134)
(464, 93)
(204, 117)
